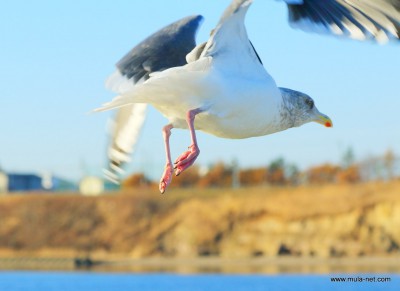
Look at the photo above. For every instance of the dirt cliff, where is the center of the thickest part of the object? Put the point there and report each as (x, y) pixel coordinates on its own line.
(327, 221)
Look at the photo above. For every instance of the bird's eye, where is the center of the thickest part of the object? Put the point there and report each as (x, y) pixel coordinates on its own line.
(310, 103)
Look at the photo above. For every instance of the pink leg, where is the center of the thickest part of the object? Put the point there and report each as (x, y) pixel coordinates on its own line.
(167, 175)
(187, 159)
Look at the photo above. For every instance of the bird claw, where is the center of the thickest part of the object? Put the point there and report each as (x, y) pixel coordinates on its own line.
(166, 178)
(186, 159)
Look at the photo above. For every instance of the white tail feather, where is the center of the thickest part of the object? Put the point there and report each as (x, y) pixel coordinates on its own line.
(117, 102)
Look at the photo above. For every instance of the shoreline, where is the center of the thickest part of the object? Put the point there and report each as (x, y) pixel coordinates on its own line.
(262, 265)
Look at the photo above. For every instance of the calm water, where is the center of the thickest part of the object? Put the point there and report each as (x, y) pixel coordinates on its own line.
(64, 281)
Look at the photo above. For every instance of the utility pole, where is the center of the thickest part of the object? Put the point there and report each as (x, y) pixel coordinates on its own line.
(235, 174)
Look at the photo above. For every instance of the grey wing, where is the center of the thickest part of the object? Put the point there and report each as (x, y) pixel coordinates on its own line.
(377, 20)
(164, 49)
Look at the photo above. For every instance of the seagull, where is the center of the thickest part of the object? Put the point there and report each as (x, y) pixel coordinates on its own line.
(220, 86)
(223, 90)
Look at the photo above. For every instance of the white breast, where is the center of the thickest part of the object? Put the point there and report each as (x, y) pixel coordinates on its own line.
(235, 108)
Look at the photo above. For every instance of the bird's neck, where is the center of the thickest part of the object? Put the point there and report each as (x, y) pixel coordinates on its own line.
(287, 108)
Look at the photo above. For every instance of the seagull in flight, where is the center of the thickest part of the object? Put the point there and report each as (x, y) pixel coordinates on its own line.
(220, 86)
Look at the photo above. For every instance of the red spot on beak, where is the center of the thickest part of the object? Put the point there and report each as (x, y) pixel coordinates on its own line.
(328, 124)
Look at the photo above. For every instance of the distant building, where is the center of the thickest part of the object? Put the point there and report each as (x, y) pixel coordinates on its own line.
(91, 186)
(3, 182)
(24, 182)
(13, 182)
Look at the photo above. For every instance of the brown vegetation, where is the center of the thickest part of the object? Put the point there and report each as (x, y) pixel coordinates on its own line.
(322, 174)
(280, 173)
(136, 180)
(277, 173)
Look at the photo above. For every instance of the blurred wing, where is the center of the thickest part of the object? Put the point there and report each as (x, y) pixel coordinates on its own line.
(124, 133)
(377, 20)
(164, 49)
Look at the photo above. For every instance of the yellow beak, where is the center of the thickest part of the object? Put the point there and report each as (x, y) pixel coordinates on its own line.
(324, 120)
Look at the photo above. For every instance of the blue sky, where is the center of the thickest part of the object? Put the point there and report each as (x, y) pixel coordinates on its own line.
(56, 55)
